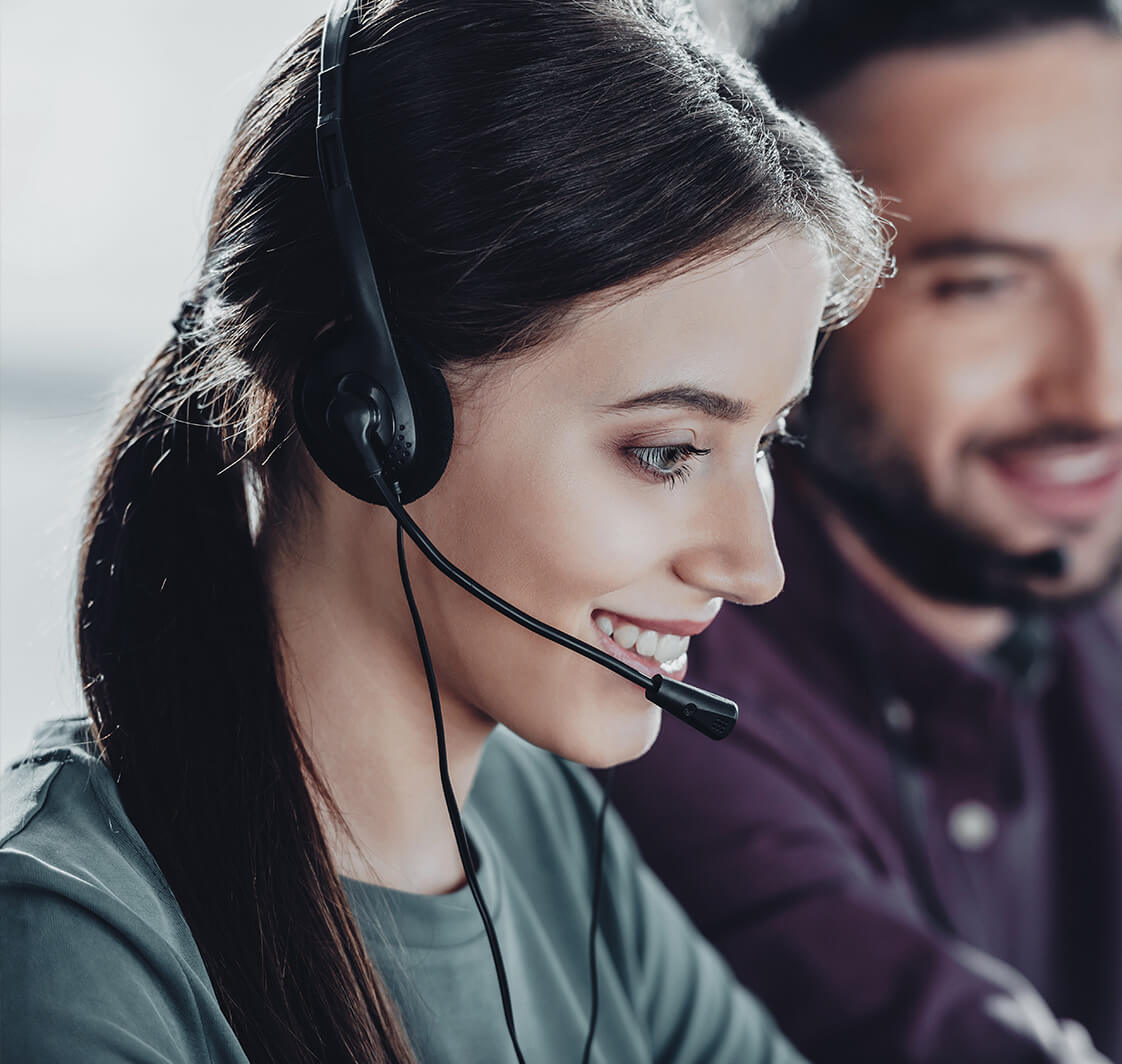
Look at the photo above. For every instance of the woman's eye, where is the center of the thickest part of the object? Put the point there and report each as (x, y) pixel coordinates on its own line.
(670, 463)
(977, 287)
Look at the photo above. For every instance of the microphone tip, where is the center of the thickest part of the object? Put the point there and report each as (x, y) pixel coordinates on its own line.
(708, 713)
(1050, 563)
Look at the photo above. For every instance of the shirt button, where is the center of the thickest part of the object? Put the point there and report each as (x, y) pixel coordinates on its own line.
(899, 716)
(972, 825)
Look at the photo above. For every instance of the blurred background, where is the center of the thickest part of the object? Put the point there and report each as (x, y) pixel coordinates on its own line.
(112, 129)
(113, 124)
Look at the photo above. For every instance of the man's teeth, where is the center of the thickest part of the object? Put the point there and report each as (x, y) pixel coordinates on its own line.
(1073, 469)
(664, 648)
(1067, 469)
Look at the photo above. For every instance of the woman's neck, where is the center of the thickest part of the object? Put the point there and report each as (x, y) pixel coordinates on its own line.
(357, 691)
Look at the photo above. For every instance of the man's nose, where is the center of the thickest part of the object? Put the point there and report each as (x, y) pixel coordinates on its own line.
(1081, 380)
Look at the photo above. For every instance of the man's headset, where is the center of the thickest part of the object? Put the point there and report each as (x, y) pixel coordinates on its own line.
(381, 427)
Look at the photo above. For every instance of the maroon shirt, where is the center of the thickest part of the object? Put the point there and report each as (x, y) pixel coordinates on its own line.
(882, 800)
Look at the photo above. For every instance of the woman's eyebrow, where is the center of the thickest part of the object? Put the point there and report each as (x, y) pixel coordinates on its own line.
(712, 404)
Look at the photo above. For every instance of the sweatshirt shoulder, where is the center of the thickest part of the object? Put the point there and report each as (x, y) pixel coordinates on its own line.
(65, 834)
(98, 963)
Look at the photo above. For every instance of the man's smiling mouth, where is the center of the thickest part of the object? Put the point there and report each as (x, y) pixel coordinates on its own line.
(1063, 481)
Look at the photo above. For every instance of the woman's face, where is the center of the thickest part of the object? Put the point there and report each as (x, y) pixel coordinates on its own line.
(612, 484)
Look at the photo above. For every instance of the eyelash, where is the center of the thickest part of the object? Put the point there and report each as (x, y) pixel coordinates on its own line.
(657, 461)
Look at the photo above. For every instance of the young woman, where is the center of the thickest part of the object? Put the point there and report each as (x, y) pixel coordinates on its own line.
(617, 254)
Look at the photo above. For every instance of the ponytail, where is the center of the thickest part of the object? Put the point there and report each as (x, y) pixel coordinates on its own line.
(178, 662)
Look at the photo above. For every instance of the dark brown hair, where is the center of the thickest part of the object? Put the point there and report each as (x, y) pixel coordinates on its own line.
(511, 157)
(804, 48)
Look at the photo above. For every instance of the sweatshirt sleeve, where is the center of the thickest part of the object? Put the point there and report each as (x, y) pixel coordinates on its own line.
(74, 986)
(693, 1008)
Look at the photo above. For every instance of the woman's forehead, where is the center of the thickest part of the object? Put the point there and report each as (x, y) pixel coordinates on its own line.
(742, 327)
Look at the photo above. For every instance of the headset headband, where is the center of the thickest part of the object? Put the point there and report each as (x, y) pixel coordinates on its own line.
(398, 437)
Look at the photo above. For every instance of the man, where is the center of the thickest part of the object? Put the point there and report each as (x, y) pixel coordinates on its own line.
(911, 845)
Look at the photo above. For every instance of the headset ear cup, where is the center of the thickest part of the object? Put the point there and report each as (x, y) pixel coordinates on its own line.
(338, 353)
(432, 412)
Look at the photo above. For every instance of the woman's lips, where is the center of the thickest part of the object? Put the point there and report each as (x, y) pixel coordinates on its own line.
(677, 627)
(1066, 483)
(652, 646)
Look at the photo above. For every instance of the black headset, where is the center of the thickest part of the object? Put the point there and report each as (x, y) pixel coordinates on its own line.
(410, 426)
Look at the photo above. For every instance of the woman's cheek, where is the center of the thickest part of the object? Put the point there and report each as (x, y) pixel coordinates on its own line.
(625, 529)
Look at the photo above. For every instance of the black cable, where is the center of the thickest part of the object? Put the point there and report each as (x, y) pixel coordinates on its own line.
(597, 878)
(450, 800)
(465, 850)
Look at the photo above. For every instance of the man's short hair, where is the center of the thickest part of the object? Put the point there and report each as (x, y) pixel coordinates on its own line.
(803, 47)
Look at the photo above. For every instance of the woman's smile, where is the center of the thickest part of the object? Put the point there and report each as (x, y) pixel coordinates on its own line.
(652, 646)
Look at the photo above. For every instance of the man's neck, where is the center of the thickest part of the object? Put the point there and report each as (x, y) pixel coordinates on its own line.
(963, 629)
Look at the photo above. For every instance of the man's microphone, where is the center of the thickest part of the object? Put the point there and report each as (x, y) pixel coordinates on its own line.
(1051, 563)
(708, 713)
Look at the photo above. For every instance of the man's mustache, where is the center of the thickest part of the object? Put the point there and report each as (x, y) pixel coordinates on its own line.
(1044, 437)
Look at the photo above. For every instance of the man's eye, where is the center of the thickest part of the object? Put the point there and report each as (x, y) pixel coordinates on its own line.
(974, 287)
(670, 463)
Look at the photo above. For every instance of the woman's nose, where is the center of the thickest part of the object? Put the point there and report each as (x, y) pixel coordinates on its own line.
(732, 554)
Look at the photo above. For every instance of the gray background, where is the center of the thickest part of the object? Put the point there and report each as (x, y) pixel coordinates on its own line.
(113, 119)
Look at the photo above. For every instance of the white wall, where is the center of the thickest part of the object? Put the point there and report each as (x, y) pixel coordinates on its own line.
(113, 119)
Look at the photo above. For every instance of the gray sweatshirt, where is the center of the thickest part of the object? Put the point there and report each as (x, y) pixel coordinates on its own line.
(98, 964)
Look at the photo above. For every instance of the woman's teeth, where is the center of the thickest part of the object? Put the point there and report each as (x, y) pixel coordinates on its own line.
(664, 648)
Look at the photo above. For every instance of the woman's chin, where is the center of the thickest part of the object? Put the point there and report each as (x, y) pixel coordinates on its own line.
(616, 736)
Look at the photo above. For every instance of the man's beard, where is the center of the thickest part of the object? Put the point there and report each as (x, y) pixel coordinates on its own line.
(881, 493)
